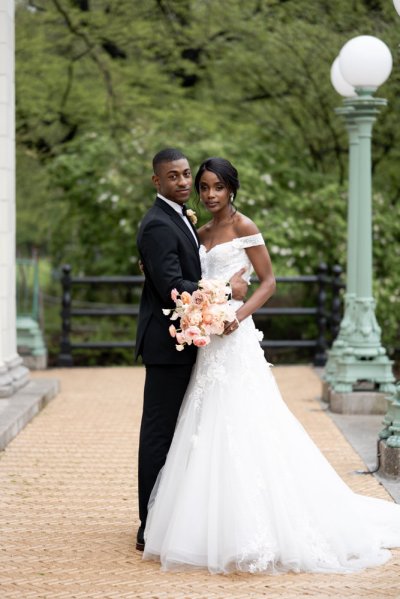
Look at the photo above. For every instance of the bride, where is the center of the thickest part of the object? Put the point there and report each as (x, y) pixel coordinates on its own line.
(244, 487)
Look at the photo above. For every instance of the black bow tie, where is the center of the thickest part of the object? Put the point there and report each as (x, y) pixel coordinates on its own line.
(184, 209)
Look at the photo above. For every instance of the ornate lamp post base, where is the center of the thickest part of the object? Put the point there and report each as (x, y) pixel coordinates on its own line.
(30, 343)
(343, 339)
(389, 445)
(362, 358)
(351, 369)
(357, 354)
(391, 431)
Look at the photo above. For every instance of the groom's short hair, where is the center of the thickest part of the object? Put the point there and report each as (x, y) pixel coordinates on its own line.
(167, 155)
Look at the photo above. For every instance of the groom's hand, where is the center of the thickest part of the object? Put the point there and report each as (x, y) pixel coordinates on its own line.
(238, 285)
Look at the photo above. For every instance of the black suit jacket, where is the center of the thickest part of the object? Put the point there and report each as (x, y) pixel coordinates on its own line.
(170, 257)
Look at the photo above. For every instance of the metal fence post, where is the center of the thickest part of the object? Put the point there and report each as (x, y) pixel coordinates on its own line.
(320, 356)
(336, 314)
(65, 356)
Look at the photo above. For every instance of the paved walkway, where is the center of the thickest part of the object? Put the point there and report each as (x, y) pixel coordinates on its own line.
(68, 510)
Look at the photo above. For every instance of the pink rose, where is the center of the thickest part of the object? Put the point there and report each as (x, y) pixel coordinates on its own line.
(192, 332)
(172, 330)
(174, 295)
(199, 298)
(201, 341)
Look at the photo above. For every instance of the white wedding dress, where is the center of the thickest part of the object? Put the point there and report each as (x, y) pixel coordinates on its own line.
(244, 487)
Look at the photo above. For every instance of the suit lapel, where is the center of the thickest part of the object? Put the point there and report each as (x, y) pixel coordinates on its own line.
(195, 232)
(177, 219)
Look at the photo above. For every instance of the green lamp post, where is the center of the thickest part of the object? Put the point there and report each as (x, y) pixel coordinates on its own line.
(346, 325)
(357, 355)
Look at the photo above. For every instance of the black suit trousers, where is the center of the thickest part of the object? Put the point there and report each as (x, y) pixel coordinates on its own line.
(164, 390)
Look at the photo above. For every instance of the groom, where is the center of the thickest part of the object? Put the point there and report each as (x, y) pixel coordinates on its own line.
(169, 250)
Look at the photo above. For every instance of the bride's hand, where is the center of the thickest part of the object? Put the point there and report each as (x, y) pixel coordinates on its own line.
(141, 267)
(238, 285)
(230, 327)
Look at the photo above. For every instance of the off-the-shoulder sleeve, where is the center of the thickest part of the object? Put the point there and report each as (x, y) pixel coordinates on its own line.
(242, 243)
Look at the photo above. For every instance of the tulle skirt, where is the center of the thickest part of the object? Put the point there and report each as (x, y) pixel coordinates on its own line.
(245, 488)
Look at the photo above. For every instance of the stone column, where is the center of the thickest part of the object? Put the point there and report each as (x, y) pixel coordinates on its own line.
(13, 374)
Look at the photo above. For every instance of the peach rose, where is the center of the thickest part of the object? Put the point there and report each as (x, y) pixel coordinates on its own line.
(172, 330)
(185, 323)
(186, 297)
(207, 317)
(174, 295)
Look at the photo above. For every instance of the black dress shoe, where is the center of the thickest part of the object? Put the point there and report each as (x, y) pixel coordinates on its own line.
(140, 539)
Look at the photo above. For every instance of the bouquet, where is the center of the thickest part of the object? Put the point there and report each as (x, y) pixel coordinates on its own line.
(202, 313)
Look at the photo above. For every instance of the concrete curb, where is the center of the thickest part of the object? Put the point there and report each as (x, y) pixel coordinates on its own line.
(19, 409)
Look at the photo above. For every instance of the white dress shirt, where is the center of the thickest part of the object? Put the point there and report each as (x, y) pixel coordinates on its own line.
(178, 209)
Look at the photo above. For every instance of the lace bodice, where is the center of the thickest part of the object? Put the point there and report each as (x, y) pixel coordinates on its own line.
(224, 259)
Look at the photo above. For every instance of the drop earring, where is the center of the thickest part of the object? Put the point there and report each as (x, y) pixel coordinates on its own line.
(231, 198)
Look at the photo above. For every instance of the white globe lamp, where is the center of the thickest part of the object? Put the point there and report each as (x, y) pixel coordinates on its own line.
(365, 62)
(339, 83)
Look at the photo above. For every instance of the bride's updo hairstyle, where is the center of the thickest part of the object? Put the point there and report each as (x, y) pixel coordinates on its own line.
(225, 172)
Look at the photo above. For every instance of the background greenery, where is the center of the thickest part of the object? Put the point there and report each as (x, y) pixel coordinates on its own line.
(101, 85)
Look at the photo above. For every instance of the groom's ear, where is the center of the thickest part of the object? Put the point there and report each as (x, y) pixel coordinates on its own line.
(156, 182)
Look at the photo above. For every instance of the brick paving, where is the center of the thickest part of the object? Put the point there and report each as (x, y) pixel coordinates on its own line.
(68, 507)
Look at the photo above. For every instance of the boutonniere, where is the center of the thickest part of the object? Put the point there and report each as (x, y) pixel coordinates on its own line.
(191, 216)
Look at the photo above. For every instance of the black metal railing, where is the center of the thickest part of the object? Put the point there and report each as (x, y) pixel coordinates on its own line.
(327, 314)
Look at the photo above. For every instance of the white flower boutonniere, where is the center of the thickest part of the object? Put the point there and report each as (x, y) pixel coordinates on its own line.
(191, 216)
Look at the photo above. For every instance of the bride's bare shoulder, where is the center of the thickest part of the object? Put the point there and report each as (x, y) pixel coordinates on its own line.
(203, 231)
(244, 226)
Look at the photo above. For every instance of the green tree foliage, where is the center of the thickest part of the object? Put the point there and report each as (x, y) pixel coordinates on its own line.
(103, 84)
